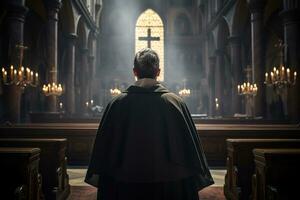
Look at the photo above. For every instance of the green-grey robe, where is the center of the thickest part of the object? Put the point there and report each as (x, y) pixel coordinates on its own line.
(147, 135)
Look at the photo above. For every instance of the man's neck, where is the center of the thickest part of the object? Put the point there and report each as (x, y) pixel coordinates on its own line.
(146, 82)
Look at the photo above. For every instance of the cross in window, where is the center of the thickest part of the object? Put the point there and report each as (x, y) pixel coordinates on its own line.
(149, 38)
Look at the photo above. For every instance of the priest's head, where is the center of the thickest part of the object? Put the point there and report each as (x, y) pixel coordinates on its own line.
(146, 64)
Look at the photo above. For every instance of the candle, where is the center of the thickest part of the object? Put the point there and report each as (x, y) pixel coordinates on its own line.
(92, 102)
(36, 78)
(59, 89)
(3, 70)
(277, 74)
(20, 76)
(266, 78)
(31, 76)
(11, 72)
(282, 72)
(60, 105)
(272, 77)
(288, 74)
(239, 88)
(22, 71)
(15, 74)
(87, 104)
(295, 77)
(5, 77)
(27, 73)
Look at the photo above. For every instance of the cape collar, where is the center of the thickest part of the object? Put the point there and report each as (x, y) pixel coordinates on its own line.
(157, 88)
(146, 82)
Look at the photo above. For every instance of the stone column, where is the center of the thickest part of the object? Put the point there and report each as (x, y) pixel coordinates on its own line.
(52, 7)
(236, 64)
(291, 25)
(16, 12)
(257, 10)
(92, 72)
(70, 74)
(84, 76)
(211, 79)
(219, 79)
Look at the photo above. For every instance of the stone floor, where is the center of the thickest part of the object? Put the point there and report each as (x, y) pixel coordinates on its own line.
(76, 175)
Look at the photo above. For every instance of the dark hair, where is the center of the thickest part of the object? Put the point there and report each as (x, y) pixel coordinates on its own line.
(146, 63)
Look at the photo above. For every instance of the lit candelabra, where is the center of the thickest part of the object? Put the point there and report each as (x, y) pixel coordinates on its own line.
(52, 89)
(89, 104)
(280, 77)
(217, 104)
(247, 89)
(115, 91)
(21, 77)
(184, 92)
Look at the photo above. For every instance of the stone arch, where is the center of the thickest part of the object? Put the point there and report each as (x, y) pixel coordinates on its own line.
(67, 17)
(211, 44)
(222, 34)
(92, 50)
(223, 66)
(241, 17)
(149, 26)
(157, 11)
(81, 65)
(98, 14)
(275, 33)
(82, 33)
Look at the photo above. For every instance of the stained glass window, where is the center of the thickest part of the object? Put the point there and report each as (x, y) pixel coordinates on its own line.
(149, 32)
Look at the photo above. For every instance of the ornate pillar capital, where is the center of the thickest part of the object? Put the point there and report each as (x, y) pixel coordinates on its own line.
(71, 37)
(84, 50)
(91, 57)
(52, 7)
(234, 40)
(17, 12)
(219, 52)
(256, 5)
(290, 12)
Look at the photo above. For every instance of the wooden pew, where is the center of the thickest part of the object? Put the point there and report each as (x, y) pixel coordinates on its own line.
(276, 172)
(240, 163)
(55, 180)
(80, 137)
(19, 173)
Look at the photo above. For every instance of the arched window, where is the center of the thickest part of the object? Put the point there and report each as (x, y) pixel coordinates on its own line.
(149, 32)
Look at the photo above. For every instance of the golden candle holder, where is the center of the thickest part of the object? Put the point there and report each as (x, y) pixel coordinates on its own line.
(52, 89)
(280, 77)
(217, 104)
(115, 92)
(247, 89)
(22, 77)
(89, 104)
(184, 92)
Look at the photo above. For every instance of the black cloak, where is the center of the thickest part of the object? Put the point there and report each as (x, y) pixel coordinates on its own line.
(147, 135)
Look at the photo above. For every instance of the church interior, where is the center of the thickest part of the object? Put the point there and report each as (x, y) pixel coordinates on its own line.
(234, 62)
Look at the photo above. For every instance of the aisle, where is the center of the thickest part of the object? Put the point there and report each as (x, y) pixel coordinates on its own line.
(82, 191)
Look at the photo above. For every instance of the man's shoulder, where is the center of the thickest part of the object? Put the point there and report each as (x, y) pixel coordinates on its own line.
(167, 97)
(170, 96)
